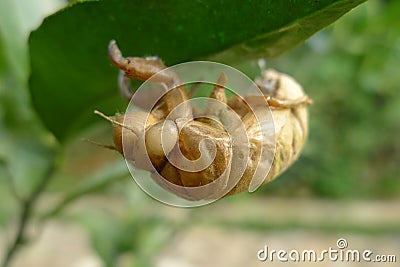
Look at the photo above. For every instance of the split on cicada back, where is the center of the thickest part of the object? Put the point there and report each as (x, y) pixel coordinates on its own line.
(204, 148)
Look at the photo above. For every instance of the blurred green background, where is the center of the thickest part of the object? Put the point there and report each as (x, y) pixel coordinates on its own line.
(349, 167)
(351, 71)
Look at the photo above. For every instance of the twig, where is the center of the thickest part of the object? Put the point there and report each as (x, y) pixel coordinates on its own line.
(26, 214)
(75, 195)
(10, 181)
(100, 179)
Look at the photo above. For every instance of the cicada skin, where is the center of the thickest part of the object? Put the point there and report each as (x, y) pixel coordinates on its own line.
(288, 104)
(144, 147)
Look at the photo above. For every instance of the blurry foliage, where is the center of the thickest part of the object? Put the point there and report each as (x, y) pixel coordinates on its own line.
(25, 147)
(351, 70)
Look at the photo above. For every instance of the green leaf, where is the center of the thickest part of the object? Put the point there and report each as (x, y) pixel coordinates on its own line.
(72, 76)
(26, 148)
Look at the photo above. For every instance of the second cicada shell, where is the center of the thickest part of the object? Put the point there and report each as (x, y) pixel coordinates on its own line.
(138, 135)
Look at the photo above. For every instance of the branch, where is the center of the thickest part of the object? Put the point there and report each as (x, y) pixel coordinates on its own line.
(26, 214)
(10, 180)
(80, 192)
(97, 181)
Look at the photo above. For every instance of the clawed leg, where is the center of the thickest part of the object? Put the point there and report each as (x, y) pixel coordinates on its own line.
(140, 68)
(273, 102)
(124, 85)
(277, 103)
(143, 69)
(219, 88)
(215, 108)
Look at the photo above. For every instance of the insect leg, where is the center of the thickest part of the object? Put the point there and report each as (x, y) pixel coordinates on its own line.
(219, 88)
(278, 103)
(141, 68)
(213, 107)
(124, 85)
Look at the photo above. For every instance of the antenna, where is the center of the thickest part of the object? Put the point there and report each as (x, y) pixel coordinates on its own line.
(113, 121)
(99, 144)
